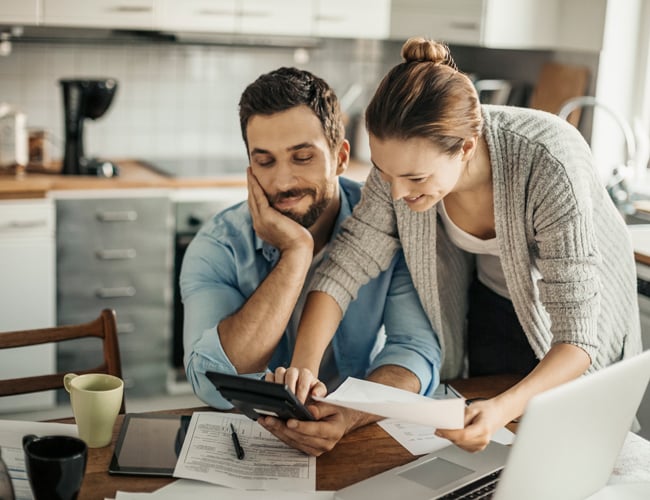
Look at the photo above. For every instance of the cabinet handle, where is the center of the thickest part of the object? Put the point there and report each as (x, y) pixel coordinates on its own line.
(24, 224)
(255, 13)
(330, 19)
(464, 25)
(215, 12)
(115, 216)
(115, 293)
(125, 328)
(116, 254)
(131, 9)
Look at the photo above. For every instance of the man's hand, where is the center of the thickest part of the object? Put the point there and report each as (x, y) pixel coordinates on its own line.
(272, 226)
(313, 438)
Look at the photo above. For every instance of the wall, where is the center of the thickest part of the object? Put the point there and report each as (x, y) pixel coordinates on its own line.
(181, 100)
(172, 99)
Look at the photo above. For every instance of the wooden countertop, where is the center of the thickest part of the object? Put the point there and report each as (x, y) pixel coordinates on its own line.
(133, 174)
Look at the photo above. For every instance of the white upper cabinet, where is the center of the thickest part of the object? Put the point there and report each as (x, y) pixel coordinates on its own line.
(130, 14)
(346, 19)
(19, 11)
(276, 17)
(521, 24)
(197, 15)
(268, 17)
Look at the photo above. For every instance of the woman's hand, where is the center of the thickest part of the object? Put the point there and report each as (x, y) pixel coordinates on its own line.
(482, 420)
(300, 381)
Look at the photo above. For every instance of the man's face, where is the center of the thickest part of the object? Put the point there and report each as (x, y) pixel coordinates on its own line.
(291, 159)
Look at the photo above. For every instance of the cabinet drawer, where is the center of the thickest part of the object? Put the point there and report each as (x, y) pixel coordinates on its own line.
(144, 331)
(99, 13)
(95, 291)
(26, 219)
(92, 254)
(113, 220)
(144, 342)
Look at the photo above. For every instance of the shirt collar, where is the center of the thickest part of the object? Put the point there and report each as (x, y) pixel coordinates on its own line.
(272, 254)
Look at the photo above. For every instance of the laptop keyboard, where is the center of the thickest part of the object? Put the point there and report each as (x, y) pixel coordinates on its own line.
(480, 489)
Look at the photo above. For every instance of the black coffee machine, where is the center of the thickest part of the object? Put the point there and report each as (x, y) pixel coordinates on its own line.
(85, 99)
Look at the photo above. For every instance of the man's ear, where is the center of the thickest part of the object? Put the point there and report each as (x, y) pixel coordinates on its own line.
(343, 157)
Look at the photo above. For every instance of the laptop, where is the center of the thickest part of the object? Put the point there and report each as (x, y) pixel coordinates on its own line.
(566, 445)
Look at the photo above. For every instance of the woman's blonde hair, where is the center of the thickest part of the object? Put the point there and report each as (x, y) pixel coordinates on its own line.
(426, 97)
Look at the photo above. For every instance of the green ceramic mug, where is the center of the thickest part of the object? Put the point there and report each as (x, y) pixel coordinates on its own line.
(96, 399)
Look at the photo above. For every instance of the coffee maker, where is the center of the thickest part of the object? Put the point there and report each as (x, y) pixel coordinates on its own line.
(85, 99)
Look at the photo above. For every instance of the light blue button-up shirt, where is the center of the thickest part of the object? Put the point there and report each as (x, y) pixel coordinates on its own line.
(226, 262)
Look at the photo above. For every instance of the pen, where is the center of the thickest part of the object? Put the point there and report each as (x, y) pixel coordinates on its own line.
(235, 440)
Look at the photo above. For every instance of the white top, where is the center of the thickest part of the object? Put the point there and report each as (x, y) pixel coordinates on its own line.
(488, 260)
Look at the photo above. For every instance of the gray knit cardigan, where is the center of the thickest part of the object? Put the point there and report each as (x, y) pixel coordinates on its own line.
(565, 251)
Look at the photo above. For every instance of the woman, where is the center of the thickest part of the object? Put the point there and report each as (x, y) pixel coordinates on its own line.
(519, 257)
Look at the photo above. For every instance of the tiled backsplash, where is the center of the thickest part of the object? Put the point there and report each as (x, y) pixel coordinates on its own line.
(181, 100)
(172, 100)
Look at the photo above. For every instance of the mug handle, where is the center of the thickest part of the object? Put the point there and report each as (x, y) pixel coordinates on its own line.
(28, 439)
(67, 379)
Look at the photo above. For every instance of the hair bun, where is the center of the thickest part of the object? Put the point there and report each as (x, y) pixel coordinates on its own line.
(420, 49)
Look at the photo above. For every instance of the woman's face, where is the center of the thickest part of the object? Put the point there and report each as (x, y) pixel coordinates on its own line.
(418, 172)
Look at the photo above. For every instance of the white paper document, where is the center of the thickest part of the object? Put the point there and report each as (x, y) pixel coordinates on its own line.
(386, 401)
(198, 490)
(420, 439)
(208, 455)
(11, 443)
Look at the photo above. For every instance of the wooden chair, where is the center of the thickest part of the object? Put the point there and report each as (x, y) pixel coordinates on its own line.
(104, 327)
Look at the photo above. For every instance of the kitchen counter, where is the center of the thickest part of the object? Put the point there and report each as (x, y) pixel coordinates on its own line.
(640, 234)
(133, 174)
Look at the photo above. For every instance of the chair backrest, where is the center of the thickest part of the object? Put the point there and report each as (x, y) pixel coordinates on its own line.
(104, 327)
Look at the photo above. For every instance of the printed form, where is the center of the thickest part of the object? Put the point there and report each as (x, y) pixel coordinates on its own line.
(208, 455)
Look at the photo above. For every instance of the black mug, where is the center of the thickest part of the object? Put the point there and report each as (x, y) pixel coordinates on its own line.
(55, 466)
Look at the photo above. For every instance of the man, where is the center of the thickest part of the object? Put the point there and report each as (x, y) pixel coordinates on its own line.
(244, 274)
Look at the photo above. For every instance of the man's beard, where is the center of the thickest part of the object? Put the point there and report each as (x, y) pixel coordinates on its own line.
(314, 211)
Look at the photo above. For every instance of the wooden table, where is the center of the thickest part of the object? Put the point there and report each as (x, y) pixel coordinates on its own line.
(359, 455)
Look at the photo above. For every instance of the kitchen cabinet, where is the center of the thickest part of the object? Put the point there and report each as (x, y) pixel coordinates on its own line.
(269, 17)
(197, 15)
(275, 17)
(516, 24)
(27, 292)
(116, 252)
(344, 19)
(129, 14)
(19, 11)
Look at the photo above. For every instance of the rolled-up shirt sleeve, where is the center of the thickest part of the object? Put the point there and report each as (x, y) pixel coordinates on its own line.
(210, 294)
(410, 340)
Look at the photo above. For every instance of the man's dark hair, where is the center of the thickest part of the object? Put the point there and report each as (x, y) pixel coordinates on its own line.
(286, 88)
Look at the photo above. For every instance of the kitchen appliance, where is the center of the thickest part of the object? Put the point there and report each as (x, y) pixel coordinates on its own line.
(85, 99)
(502, 92)
(13, 138)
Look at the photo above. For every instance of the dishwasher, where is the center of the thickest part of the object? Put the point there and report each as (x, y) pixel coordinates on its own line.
(643, 288)
(27, 293)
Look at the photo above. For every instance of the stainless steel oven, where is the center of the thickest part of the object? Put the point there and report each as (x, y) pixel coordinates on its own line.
(193, 207)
